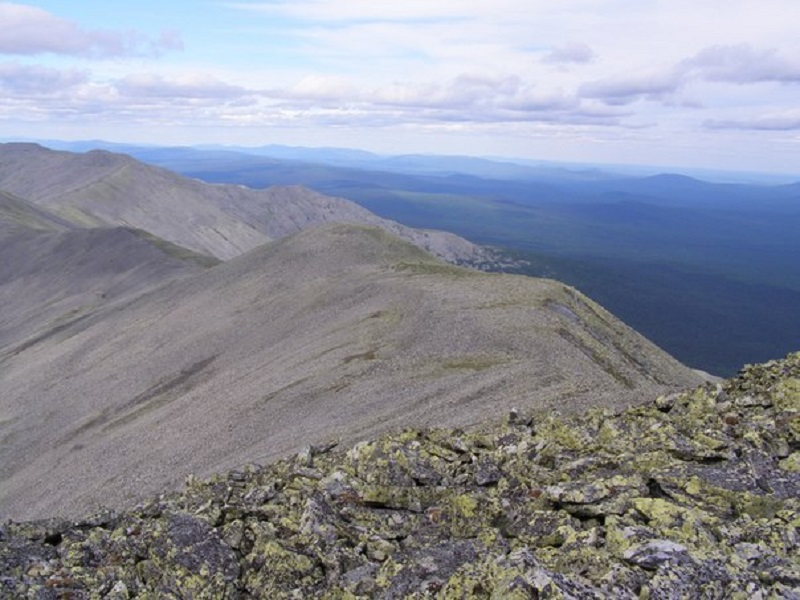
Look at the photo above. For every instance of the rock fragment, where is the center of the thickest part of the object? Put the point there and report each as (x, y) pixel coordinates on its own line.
(670, 499)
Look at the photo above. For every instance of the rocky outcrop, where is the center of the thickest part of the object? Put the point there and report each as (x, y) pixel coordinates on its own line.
(696, 494)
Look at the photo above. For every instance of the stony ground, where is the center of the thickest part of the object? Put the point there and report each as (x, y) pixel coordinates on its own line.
(694, 495)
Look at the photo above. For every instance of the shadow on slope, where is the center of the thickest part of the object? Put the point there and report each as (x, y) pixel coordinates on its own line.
(19, 216)
(50, 280)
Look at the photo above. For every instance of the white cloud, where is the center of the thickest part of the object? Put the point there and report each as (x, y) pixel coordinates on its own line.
(624, 90)
(32, 80)
(465, 91)
(738, 64)
(742, 64)
(575, 53)
(788, 120)
(322, 88)
(28, 30)
(148, 85)
(466, 98)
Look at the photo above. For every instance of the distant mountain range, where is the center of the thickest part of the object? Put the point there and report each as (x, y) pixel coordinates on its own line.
(483, 167)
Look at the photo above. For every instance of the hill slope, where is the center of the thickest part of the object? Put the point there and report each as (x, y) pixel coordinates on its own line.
(102, 189)
(337, 331)
(49, 280)
(706, 270)
(20, 216)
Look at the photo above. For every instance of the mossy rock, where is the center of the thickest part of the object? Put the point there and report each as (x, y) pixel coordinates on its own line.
(696, 494)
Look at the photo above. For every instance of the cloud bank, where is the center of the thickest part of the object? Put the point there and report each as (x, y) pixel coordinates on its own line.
(28, 30)
(598, 75)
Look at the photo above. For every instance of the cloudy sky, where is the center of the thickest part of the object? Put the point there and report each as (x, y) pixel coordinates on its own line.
(701, 83)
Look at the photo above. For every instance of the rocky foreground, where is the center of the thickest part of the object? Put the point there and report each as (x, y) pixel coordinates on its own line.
(694, 495)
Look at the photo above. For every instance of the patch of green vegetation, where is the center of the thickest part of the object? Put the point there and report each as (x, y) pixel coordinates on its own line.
(597, 355)
(77, 216)
(71, 315)
(15, 213)
(10, 435)
(386, 316)
(8, 438)
(267, 398)
(387, 243)
(49, 333)
(89, 423)
(435, 268)
(327, 351)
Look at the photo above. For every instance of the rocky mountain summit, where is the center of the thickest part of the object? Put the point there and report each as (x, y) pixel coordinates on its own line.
(696, 494)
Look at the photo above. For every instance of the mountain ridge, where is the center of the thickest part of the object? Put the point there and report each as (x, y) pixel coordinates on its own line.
(18, 216)
(101, 188)
(341, 330)
(130, 364)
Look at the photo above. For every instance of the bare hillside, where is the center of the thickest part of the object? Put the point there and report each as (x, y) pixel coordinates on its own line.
(50, 280)
(339, 331)
(19, 216)
(104, 189)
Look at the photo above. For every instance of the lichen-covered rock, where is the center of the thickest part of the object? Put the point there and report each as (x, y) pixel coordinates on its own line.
(693, 495)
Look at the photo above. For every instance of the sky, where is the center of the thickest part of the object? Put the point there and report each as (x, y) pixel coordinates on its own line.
(692, 83)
